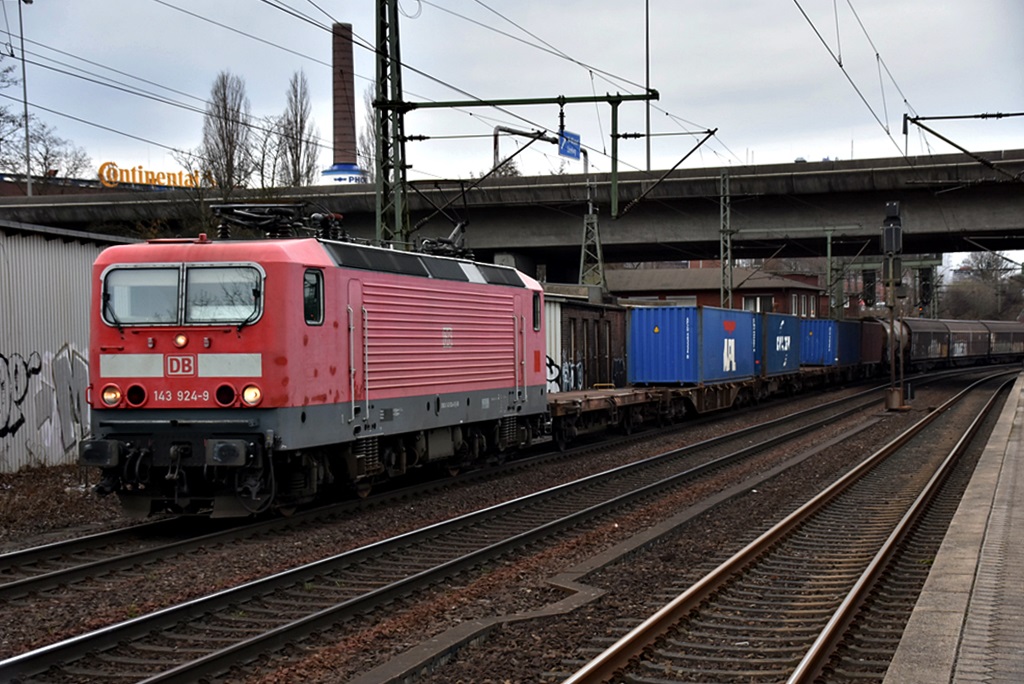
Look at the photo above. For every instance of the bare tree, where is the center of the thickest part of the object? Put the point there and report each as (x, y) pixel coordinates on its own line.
(986, 286)
(299, 144)
(51, 155)
(11, 158)
(366, 145)
(226, 133)
(509, 168)
(195, 209)
(267, 152)
(12, 142)
(54, 156)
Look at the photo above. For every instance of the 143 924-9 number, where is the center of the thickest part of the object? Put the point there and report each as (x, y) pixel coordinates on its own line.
(182, 395)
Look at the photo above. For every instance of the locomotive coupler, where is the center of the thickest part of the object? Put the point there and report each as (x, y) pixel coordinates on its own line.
(103, 453)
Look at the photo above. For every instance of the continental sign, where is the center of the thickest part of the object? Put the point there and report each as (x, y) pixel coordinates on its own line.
(111, 176)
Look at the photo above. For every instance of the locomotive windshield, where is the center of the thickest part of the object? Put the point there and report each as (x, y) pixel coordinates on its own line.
(140, 296)
(221, 295)
(213, 294)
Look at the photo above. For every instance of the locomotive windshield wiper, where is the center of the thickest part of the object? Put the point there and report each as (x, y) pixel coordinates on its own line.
(255, 309)
(110, 310)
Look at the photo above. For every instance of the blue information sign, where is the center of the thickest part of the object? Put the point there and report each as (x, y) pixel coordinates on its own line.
(569, 144)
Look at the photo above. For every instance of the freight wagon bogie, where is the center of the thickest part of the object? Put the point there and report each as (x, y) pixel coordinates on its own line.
(587, 412)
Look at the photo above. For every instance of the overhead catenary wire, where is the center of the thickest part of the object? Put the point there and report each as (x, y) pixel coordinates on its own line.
(318, 12)
(881, 64)
(141, 92)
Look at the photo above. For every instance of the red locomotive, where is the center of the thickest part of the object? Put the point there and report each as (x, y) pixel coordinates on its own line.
(229, 377)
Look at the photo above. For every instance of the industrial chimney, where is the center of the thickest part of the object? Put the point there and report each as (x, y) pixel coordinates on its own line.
(345, 168)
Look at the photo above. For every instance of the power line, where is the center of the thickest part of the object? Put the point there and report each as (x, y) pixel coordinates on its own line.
(97, 79)
(546, 47)
(839, 62)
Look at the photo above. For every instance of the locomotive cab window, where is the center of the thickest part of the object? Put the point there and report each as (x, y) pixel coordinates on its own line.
(313, 296)
(140, 296)
(222, 294)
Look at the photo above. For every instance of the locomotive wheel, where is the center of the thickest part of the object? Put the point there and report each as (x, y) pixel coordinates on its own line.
(454, 470)
(255, 487)
(363, 489)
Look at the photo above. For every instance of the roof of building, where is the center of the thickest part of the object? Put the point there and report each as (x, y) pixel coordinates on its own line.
(696, 279)
(46, 232)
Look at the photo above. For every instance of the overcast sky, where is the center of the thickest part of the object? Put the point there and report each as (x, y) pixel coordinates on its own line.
(760, 71)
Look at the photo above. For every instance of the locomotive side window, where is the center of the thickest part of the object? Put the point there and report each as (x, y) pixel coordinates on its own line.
(140, 296)
(222, 294)
(313, 296)
(536, 311)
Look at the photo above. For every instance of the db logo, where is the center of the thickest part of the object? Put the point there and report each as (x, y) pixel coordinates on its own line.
(184, 364)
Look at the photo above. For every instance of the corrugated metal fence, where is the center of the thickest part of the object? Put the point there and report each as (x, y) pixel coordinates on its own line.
(45, 283)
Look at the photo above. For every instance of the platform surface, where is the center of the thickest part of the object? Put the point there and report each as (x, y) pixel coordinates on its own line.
(968, 625)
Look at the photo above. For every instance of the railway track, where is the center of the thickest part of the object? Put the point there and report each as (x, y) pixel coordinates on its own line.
(811, 595)
(212, 633)
(35, 570)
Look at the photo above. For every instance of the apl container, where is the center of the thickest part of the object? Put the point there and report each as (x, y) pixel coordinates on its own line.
(690, 345)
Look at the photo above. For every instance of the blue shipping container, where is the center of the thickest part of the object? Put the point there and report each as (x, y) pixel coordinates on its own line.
(778, 350)
(849, 342)
(690, 345)
(825, 342)
(818, 344)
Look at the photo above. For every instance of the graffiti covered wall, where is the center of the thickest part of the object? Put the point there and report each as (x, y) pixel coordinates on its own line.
(43, 413)
(44, 304)
(564, 376)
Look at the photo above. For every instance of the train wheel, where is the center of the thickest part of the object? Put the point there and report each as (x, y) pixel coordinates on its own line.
(454, 470)
(562, 439)
(564, 432)
(630, 420)
(286, 511)
(256, 487)
(363, 489)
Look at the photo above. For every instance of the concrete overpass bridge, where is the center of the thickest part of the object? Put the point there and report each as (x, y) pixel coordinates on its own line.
(949, 203)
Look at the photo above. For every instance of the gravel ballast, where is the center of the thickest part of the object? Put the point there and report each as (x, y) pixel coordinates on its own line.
(52, 503)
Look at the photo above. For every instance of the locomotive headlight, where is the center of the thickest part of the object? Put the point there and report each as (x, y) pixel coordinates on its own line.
(251, 395)
(111, 395)
(180, 340)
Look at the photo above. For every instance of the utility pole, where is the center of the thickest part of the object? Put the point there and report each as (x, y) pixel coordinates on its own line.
(389, 125)
(24, 91)
(390, 108)
(725, 241)
(892, 246)
(591, 256)
(647, 74)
